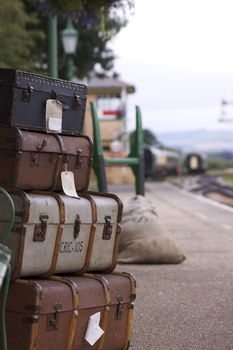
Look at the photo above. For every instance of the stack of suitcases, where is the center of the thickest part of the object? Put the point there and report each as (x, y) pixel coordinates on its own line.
(64, 293)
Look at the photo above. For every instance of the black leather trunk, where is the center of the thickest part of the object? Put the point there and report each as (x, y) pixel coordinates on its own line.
(23, 99)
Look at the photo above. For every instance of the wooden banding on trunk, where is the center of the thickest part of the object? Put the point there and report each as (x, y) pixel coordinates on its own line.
(54, 313)
(54, 233)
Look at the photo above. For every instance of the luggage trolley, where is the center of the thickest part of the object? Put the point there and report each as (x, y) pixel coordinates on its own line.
(135, 159)
(5, 270)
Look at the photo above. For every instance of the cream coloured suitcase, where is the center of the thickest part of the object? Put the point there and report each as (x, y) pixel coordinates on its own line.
(94, 219)
(108, 215)
(54, 233)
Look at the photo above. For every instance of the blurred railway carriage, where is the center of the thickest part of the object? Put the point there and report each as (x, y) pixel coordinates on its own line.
(195, 163)
(160, 163)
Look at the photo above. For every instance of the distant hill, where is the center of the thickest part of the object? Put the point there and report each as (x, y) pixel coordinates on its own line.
(199, 140)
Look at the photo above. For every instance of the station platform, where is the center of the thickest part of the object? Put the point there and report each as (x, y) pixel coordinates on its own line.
(188, 306)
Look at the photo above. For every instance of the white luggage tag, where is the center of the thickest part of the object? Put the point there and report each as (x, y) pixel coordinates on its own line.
(68, 183)
(53, 116)
(94, 331)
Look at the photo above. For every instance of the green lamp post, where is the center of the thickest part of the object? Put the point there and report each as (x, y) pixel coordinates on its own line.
(52, 47)
(70, 41)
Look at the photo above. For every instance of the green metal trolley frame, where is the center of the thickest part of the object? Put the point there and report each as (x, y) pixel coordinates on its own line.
(135, 159)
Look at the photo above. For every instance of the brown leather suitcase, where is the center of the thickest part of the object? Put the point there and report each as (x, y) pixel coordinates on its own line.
(25, 100)
(56, 313)
(34, 161)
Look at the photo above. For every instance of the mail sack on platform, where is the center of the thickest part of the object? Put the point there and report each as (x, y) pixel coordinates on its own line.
(144, 238)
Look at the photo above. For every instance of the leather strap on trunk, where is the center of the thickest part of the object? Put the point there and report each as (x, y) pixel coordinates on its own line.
(115, 251)
(107, 297)
(59, 230)
(92, 233)
(93, 205)
(89, 196)
(130, 306)
(64, 159)
(74, 318)
(55, 253)
(35, 315)
(61, 146)
(62, 209)
(109, 195)
(59, 200)
(16, 273)
(89, 250)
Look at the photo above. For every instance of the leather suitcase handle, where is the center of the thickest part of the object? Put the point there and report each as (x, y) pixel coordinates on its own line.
(41, 147)
(54, 95)
(61, 146)
(65, 160)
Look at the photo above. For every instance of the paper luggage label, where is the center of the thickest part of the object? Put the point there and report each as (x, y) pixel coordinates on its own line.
(53, 116)
(68, 184)
(94, 331)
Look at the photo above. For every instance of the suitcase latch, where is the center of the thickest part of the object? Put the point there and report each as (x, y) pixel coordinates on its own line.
(27, 93)
(53, 319)
(35, 156)
(77, 101)
(41, 147)
(119, 307)
(40, 229)
(77, 224)
(79, 159)
(54, 94)
(107, 232)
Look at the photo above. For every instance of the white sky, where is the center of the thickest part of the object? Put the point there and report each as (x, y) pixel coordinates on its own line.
(179, 55)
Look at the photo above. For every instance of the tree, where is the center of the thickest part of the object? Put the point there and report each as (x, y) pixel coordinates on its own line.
(17, 40)
(94, 32)
(93, 47)
(93, 37)
(23, 35)
(149, 138)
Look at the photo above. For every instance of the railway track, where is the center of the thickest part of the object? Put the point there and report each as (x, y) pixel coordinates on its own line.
(208, 186)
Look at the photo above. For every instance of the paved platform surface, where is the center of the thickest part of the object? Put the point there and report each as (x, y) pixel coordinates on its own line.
(187, 306)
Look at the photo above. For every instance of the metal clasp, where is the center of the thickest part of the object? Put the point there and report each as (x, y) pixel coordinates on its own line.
(79, 159)
(40, 229)
(77, 101)
(35, 156)
(27, 93)
(77, 224)
(65, 160)
(119, 307)
(35, 159)
(54, 94)
(107, 231)
(53, 319)
(41, 147)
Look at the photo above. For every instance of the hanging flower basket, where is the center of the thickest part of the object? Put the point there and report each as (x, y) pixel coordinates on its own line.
(61, 7)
